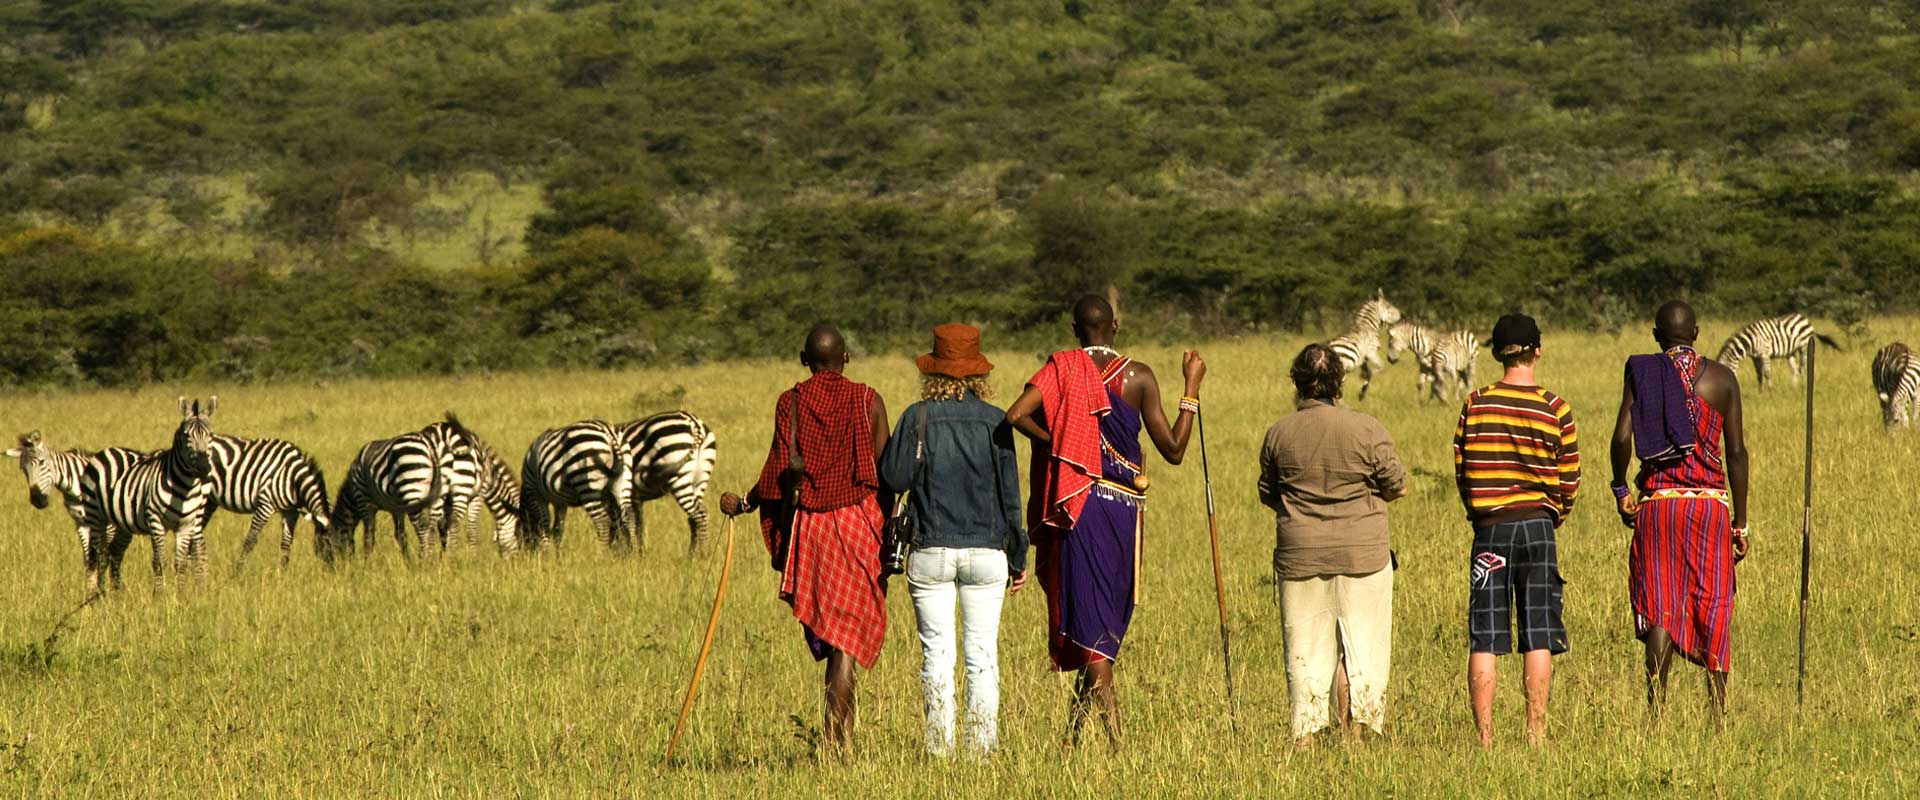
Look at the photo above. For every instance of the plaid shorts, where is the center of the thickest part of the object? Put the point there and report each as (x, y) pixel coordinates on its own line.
(1515, 572)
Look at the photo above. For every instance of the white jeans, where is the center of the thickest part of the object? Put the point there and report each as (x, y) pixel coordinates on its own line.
(978, 577)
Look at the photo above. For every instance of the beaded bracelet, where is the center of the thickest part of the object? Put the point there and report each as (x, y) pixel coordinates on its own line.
(1190, 404)
(1620, 491)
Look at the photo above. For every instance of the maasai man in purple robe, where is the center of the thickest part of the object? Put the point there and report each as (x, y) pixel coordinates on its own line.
(1084, 412)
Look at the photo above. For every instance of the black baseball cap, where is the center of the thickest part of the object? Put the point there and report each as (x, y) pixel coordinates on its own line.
(1513, 333)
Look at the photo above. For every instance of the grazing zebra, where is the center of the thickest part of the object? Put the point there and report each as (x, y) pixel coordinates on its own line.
(127, 491)
(672, 453)
(1359, 347)
(49, 471)
(459, 470)
(266, 478)
(496, 487)
(583, 464)
(401, 476)
(1769, 338)
(1896, 377)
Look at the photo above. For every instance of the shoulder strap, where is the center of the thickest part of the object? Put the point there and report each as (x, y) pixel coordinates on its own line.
(920, 444)
(794, 461)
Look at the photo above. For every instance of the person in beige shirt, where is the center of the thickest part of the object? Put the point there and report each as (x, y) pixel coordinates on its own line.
(1328, 473)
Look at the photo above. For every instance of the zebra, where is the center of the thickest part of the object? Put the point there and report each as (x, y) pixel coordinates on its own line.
(1896, 378)
(582, 464)
(266, 478)
(1359, 347)
(672, 453)
(127, 491)
(1445, 361)
(460, 471)
(401, 476)
(1452, 362)
(51, 471)
(1767, 338)
(496, 487)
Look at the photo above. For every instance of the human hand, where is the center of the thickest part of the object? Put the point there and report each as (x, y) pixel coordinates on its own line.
(731, 504)
(1194, 369)
(1629, 506)
(1740, 544)
(1016, 581)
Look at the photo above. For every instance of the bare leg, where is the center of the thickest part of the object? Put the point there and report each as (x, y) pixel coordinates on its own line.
(1480, 680)
(1539, 680)
(1342, 695)
(1100, 686)
(1077, 710)
(840, 707)
(1659, 660)
(1717, 698)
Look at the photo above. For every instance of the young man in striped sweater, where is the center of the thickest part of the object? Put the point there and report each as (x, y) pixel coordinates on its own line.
(1516, 459)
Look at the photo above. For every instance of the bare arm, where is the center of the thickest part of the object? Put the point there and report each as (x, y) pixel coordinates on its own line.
(1621, 454)
(1736, 450)
(1143, 390)
(1021, 415)
(879, 415)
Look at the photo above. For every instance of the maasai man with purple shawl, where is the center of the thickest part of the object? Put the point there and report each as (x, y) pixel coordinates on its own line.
(1681, 415)
(1084, 411)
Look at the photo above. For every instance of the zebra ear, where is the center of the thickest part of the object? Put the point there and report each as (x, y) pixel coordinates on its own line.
(1379, 293)
(213, 402)
(184, 412)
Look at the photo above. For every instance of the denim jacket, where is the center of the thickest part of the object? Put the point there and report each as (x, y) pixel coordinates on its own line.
(968, 494)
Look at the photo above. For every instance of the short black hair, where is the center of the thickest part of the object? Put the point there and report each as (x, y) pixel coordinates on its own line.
(1317, 373)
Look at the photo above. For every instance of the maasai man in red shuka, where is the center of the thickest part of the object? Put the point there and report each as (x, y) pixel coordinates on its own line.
(1681, 415)
(827, 546)
(1084, 411)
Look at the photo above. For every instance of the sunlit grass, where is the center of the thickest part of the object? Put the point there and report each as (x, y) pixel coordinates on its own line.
(560, 675)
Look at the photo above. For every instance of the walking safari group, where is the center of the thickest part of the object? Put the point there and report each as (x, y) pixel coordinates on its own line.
(845, 499)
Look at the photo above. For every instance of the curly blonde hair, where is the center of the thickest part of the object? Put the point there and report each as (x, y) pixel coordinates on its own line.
(943, 387)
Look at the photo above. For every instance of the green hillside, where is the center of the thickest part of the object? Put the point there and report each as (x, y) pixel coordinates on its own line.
(254, 189)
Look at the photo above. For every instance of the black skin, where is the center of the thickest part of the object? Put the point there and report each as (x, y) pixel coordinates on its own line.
(1675, 325)
(826, 351)
(1096, 324)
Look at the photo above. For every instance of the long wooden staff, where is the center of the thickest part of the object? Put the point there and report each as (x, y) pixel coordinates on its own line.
(1806, 531)
(1219, 585)
(706, 645)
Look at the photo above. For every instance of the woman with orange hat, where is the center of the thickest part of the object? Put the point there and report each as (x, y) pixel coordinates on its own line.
(953, 453)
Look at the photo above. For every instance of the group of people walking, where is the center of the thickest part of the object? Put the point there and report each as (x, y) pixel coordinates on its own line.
(836, 466)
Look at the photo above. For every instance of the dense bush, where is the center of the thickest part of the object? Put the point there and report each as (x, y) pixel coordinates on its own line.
(717, 176)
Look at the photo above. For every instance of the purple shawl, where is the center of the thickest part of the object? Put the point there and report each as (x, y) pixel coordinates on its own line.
(1662, 428)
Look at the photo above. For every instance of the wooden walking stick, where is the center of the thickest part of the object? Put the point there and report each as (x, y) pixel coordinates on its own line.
(1219, 585)
(1806, 532)
(706, 645)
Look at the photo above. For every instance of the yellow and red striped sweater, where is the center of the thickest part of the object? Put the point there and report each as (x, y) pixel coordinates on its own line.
(1516, 455)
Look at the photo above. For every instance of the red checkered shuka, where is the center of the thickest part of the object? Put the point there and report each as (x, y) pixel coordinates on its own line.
(836, 444)
(1072, 399)
(832, 578)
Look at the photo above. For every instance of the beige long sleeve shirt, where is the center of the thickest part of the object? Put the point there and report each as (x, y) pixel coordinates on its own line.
(1327, 473)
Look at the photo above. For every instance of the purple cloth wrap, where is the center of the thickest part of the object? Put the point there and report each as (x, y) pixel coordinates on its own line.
(1662, 426)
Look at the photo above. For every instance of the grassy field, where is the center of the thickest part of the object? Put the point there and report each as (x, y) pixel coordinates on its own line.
(560, 675)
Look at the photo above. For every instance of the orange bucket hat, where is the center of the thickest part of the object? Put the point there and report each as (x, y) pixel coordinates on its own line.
(956, 353)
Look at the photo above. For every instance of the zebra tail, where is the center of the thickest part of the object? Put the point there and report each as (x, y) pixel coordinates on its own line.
(1829, 341)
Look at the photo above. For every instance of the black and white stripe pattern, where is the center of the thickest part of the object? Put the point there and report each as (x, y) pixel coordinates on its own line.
(459, 474)
(1896, 378)
(496, 487)
(401, 476)
(1452, 364)
(1771, 338)
(672, 454)
(584, 464)
(127, 492)
(1359, 348)
(267, 478)
(50, 472)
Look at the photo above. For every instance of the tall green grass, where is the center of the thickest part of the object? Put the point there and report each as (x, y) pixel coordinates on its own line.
(560, 675)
